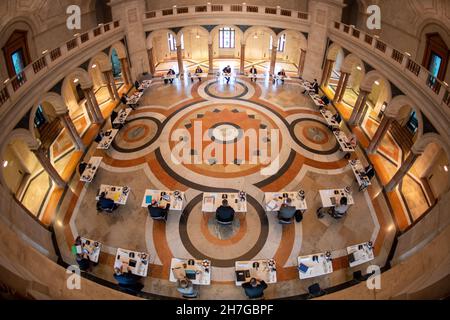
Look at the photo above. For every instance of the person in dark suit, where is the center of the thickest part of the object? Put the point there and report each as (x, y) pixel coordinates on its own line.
(81, 167)
(253, 72)
(198, 71)
(227, 70)
(156, 212)
(100, 136)
(124, 99)
(137, 85)
(370, 171)
(127, 280)
(106, 204)
(83, 261)
(225, 213)
(337, 118)
(314, 88)
(254, 289)
(287, 211)
(171, 72)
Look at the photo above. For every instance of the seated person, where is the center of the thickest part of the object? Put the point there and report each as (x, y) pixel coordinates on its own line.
(127, 280)
(287, 211)
(314, 88)
(83, 261)
(198, 71)
(227, 70)
(337, 118)
(353, 141)
(253, 72)
(81, 167)
(158, 212)
(186, 288)
(104, 203)
(325, 99)
(225, 213)
(370, 172)
(124, 99)
(281, 76)
(100, 136)
(137, 84)
(254, 289)
(171, 72)
(341, 209)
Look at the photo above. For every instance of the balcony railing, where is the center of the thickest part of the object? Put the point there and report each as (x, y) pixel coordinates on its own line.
(33, 71)
(231, 8)
(417, 73)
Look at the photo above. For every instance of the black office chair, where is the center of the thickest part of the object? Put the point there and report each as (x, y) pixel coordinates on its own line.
(106, 209)
(285, 221)
(315, 291)
(160, 218)
(358, 276)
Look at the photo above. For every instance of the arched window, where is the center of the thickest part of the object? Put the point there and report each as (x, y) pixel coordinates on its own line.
(173, 42)
(281, 43)
(17, 55)
(226, 38)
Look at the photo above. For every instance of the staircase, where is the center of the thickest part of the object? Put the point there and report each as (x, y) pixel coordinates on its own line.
(402, 136)
(49, 132)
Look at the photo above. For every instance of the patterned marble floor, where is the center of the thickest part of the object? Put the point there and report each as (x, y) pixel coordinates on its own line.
(291, 149)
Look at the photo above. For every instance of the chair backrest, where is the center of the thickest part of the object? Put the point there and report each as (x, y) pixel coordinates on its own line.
(314, 289)
(224, 222)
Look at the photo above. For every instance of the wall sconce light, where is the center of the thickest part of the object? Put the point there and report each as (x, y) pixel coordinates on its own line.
(76, 80)
(5, 163)
(445, 168)
(377, 83)
(358, 68)
(94, 66)
(44, 52)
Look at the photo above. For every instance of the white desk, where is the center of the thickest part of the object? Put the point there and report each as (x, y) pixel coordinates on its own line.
(137, 261)
(256, 76)
(145, 84)
(361, 252)
(134, 99)
(122, 116)
(359, 172)
(91, 169)
(316, 100)
(202, 268)
(197, 76)
(211, 201)
(169, 77)
(177, 198)
(328, 116)
(92, 248)
(332, 197)
(314, 265)
(282, 78)
(118, 194)
(265, 271)
(274, 200)
(107, 139)
(342, 139)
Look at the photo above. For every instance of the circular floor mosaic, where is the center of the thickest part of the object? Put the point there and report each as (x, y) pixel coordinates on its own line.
(314, 136)
(137, 134)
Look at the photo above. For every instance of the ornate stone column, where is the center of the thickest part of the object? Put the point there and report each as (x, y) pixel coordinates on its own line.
(108, 85)
(406, 165)
(151, 61)
(339, 87)
(92, 104)
(210, 58)
(113, 85)
(125, 71)
(362, 98)
(72, 131)
(379, 134)
(48, 167)
(344, 87)
(242, 68)
(180, 60)
(329, 71)
(273, 59)
(301, 62)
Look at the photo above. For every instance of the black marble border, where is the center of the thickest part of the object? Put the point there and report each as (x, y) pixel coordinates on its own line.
(149, 143)
(294, 137)
(226, 98)
(224, 263)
